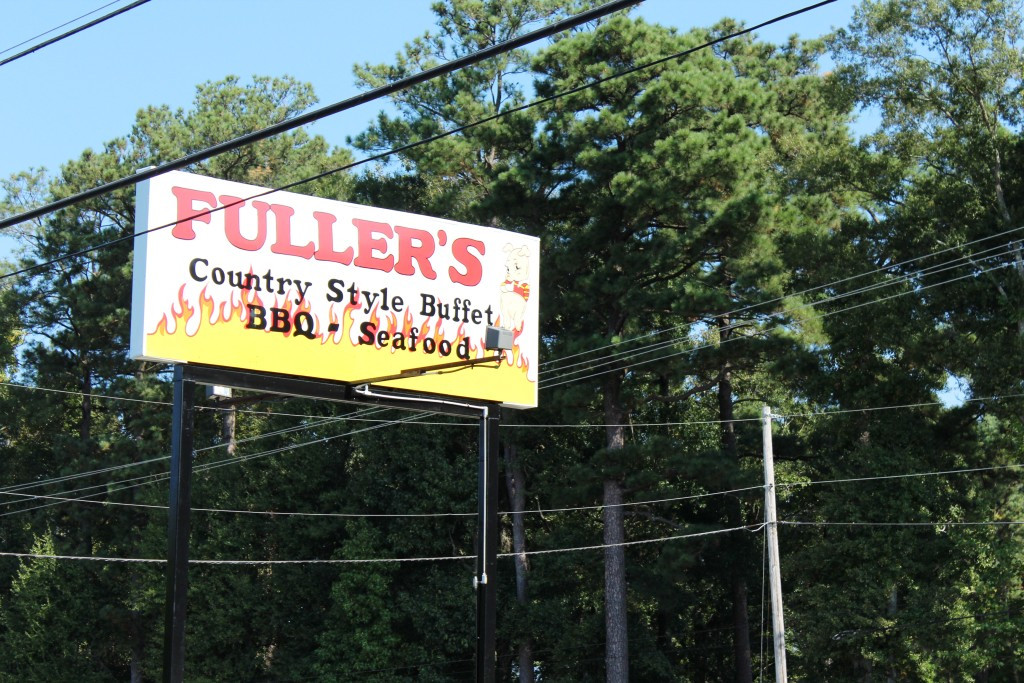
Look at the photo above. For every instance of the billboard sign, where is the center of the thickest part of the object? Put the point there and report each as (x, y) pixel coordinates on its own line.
(292, 284)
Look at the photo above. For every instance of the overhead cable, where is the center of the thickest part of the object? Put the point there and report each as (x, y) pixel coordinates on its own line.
(68, 392)
(105, 470)
(823, 413)
(163, 476)
(809, 290)
(657, 346)
(970, 259)
(381, 560)
(129, 399)
(761, 333)
(372, 515)
(68, 34)
(615, 358)
(233, 460)
(57, 28)
(943, 524)
(940, 473)
(337, 107)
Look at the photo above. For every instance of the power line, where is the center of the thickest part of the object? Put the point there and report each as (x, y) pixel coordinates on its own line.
(68, 392)
(738, 34)
(749, 527)
(80, 475)
(915, 625)
(753, 528)
(337, 107)
(372, 515)
(942, 267)
(940, 473)
(505, 513)
(823, 413)
(611, 359)
(796, 294)
(105, 470)
(57, 28)
(675, 499)
(761, 333)
(412, 419)
(128, 399)
(906, 524)
(68, 34)
(648, 348)
(380, 560)
(378, 92)
(159, 477)
(903, 406)
(631, 353)
(637, 503)
(357, 416)
(739, 420)
(233, 460)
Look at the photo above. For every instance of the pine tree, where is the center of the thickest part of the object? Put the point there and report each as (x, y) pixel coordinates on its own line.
(667, 197)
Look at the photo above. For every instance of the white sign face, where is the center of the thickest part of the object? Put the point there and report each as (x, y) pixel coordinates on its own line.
(299, 285)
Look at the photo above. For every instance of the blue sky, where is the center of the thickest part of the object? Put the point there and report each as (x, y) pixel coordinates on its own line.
(85, 90)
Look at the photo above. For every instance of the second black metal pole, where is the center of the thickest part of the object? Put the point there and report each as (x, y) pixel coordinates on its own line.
(487, 545)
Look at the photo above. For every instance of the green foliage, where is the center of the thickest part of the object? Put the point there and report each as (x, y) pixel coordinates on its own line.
(69, 323)
(680, 206)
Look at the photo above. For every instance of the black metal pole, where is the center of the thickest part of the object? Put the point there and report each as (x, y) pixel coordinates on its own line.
(487, 543)
(179, 512)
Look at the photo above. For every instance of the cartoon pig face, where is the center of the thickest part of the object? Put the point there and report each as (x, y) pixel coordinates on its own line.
(515, 290)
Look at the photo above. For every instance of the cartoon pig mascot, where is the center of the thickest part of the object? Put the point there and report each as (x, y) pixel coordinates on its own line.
(515, 290)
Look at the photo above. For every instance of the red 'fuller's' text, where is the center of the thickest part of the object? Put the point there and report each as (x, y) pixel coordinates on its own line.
(363, 243)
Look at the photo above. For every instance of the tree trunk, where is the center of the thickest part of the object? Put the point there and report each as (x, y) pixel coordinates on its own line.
(1004, 211)
(137, 642)
(892, 610)
(734, 515)
(227, 429)
(85, 426)
(616, 634)
(85, 517)
(515, 482)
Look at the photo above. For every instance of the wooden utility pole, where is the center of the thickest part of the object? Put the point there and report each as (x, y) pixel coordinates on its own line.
(771, 523)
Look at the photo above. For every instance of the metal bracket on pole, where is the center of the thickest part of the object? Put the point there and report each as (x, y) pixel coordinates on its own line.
(771, 525)
(431, 369)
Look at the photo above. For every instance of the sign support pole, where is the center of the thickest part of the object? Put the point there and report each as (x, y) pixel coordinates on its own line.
(187, 376)
(772, 526)
(487, 544)
(179, 512)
